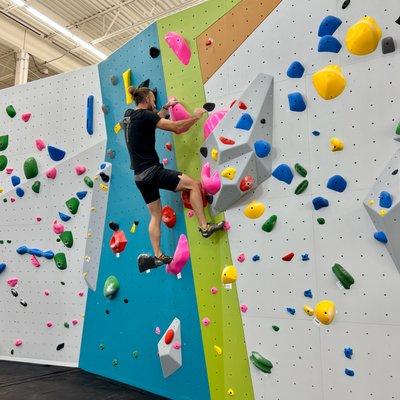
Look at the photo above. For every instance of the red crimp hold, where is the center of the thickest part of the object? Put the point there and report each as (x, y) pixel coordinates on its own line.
(225, 140)
(169, 336)
(232, 104)
(288, 257)
(242, 106)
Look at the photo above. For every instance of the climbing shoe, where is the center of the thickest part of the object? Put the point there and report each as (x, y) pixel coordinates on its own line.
(211, 228)
(163, 259)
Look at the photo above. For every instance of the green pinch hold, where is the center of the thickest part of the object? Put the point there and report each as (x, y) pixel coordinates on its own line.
(321, 221)
(275, 328)
(61, 261)
(88, 181)
(111, 286)
(3, 142)
(36, 186)
(261, 362)
(300, 170)
(102, 346)
(67, 238)
(135, 354)
(3, 163)
(301, 187)
(11, 111)
(30, 168)
(344, 276)
(269, 224)
(398, 129)
(73, 205)
(66, 325)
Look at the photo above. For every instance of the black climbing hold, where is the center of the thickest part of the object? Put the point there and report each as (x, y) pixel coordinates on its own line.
(113, 226)
(345, 4)
(388, 45)
(62, 283)
(14, 292)
(209, 106)
(12, 352)
(105, 178)
(126, 301)
(58, 240)
(8, 241)
(263, 121)
(154, 52)
(204, 151)
(23, 303)
(155, 92)
(136, 223)
(395, 172)
(107, 312)
(209, 198)
(397, 21)
(145, 83)
(60, 347)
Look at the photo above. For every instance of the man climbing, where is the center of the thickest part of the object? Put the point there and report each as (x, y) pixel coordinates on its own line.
(150, 174)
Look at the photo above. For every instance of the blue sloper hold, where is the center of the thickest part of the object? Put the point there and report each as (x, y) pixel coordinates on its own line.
(329, 44)
(385, 199)
(55, 154)
(380, 236)
(308, 293)
(2, 267)
(320, 202)
(245, 122)
(256, 257)
(283, 173)
(337, 183)
(316, 133)
(291, 310)
(20, 192)
(81, 195)
(296, 102)
(305, 257)
(295, 70)
(348, 352)
(15, 180)
(329, 25)
(349, 372)
(103, 165)
(262, 148)
(64, 217)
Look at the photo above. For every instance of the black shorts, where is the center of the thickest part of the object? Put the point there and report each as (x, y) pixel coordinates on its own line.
(158, 178)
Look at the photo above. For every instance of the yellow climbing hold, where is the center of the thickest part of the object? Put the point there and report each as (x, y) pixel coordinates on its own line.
(229, 173)
(325, 311)
(1, 190)
(229, 275)
(230, 392)
(214, 154)
(103, 187)
(85, 274)
(218, 350)
(126, 76)
(254, 210)
(371, 202)
(308, 310)
(117, 127)
(329, 82)
(382, 212)
(336, 144)
(92, 209)
(133, 227)
(90, 234)
(363, 37)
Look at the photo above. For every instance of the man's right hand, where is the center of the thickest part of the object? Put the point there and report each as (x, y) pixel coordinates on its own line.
(198, 112)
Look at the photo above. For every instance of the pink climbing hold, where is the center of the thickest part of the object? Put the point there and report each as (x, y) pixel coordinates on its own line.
(212, 122)
(179, 46)
(157, 330)
(190, 213)
(12, 199)
(206, 321)
(176, 345)
(26, 117)
(241, 257)
(165, 161)
(181, 256)
(80, 169)
(211, 183)
(51, 173)
(74, 322)
(40, 144)
(227, 226)
(178, 112)
(35, 262)
(58, 228)
(18, 342)
(214, 290)
(12, 282)
(49, 324)
(46, 293)
(80, 294)
(9, 170)
(38, 219)
(243, 308)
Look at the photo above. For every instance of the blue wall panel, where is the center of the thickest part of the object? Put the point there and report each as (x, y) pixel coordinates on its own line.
(152, 299)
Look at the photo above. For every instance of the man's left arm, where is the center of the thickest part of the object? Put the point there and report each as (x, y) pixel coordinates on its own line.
(164, 109)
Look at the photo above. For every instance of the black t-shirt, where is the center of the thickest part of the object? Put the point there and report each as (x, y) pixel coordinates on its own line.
(140, 139)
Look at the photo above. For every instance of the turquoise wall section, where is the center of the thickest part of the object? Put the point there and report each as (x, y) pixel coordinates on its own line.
(126, 323)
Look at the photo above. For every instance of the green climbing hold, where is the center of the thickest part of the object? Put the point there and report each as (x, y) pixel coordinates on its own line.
(30, 168)
(111, 286)
(344, 276)
(60, 260)
(261, 362)
(269, 224)
(3, 142)
(398, 129)
(321, 221)
(66, 325)
(11, 111)
(67, 239)
(115, 362)
(73, 205)
(36, 186)
(300, 170)
(275, 328)
(102, 346)
(88, 181)
(3, 162)
(301, 187)
(135, 354)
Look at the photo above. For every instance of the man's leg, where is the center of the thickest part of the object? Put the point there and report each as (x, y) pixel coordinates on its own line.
(155, 226)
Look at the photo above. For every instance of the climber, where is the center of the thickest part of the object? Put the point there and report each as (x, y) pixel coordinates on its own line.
(150, 174)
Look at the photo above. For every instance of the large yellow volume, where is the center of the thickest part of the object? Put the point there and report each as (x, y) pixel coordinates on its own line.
(329, 82)
(126, 76)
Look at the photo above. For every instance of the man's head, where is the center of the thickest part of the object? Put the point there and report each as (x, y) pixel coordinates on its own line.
(143, 98)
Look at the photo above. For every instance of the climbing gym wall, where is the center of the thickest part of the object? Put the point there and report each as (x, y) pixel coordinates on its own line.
(42, 302)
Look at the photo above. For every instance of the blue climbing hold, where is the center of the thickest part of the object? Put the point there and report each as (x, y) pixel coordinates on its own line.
(320, 202)
(2, 267)
(256, 257)
(349, 372)
(308, 293)
(380, 236)
(305, 257)
(385, 199)
(329, 25)
(35, 252)
(20, 192)
(245, 122)
(316, 133)
(291, 310)
(296, 102)
(295, 70)
(103, 165)
(348, 352)
(262, 148)
(337, 183)
(283, 173)
(329, 44)
(81, 195)
(15, 180)
(55, 154)
(64, 217)
(22, 250)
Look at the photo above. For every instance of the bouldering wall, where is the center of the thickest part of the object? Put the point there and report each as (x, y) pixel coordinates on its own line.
(42, 306)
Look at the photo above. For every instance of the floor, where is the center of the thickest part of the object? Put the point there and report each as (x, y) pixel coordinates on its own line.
(21, 381)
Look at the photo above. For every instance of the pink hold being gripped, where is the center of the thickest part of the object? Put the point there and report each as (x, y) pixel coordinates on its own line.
(211, 182)
(179, 46)
(181, 256)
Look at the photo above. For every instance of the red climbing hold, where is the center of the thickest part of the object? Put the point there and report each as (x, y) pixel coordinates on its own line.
(225, 140)
(242, 106)
(169, 336)
(232, 104)
(209, 42)
(118, 242)
(246, 183)
(288, 257)
(168, 216)
(168, 146)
